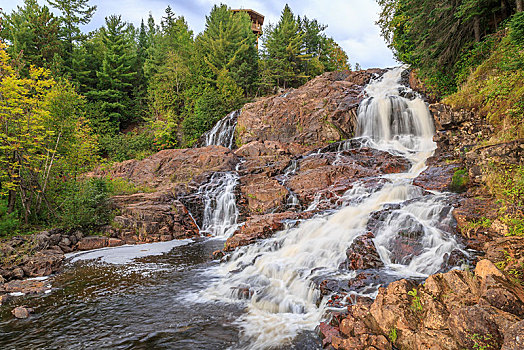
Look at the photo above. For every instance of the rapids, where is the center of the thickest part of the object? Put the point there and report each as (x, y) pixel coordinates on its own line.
(279, 273)
(263, 296)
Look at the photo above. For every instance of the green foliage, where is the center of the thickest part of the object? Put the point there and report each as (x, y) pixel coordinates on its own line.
(131, 145)
(393, 335)
(9, 222)
(459, 181)
(416, 305)
(516, 27)
(120, 186)
(436, 37)
(33, 31)
(86, 204)
(115, 77)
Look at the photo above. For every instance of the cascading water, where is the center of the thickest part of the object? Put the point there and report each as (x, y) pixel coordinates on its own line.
(220, 208)
(275, 278)
(222, 134)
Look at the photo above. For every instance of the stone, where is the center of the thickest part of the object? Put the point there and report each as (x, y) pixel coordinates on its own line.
(322, 110)
(24, 286)
(485, 268)
(262, 193)
(92, 242)
(21, 312)
(260, 227)
(362, 254)
(472, 327)
(514, 337)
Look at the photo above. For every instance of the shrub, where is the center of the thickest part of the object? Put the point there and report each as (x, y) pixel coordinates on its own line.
(87, 204)
(9, 223)
(516, 26)
(122, 147)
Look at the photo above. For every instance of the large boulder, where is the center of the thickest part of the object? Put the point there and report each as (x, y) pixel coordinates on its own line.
(322, 110)
(173, 168)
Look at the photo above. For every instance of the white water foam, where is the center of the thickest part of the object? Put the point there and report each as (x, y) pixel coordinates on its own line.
(274, 278)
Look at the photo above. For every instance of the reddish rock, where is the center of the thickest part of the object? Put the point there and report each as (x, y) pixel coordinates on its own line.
(362, 254)
(93, 242)
(43, 263)
(330, 175)
(514, 337)
(173, 168)
(156, 216)
(327, 332)
(472, 327)
(24, 286)
(262, 194)
(322, 110)
(259, 227)
(270, 157)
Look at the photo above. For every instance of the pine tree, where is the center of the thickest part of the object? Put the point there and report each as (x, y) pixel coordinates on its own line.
(284, 50)
(228, 44)
(74, 14)
(33, 31)
(115, 78)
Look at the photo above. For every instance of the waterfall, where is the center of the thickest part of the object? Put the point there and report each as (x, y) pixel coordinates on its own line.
(223, 133)
(220, 208)
(279, 273)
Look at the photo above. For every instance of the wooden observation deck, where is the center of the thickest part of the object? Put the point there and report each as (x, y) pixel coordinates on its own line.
(257, 20)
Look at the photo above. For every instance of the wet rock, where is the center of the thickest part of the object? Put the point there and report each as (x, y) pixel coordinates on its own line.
(218, 254)
(330, 175)
(24, 286)
(322, 110)
(268, 157)
(43, 263)
(262, 194)
(327, 333)
(472, 327)
(456, 258)
(260, 227)
(4, 298)
(437, 177)
(21, 312)
(362, 254)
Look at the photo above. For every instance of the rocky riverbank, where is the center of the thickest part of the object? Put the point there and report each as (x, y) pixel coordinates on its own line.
(292, 162)
(480, 307)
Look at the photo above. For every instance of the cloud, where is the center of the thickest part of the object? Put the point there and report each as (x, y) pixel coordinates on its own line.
(350, 22)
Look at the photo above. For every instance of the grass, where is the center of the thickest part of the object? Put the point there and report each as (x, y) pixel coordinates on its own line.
(459, 181)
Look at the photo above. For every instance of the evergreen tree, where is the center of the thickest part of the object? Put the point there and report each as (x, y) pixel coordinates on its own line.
(284, 51)
(229, 45)
(115, 78)
(74, 14)
(33, 31)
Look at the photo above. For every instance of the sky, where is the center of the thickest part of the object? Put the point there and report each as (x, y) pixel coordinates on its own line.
(350, 22)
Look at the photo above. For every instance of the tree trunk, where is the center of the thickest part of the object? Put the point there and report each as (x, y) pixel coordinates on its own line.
(519, 5)
(476, 28)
